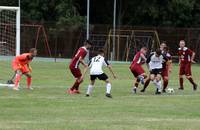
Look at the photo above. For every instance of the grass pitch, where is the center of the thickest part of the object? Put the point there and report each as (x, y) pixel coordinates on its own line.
(47, 107)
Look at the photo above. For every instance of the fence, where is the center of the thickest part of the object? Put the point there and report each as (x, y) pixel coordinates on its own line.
(63, 42)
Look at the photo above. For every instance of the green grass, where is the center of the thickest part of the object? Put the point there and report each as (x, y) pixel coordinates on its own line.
(47, 107)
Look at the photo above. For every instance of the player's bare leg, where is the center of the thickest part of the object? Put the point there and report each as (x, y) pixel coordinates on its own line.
(17, 79)
(75, 88)
(146, 83)
(165, 83)
(108, 88)
(135, 85)
(157, 82)
(192, 82)
(139, 79)
(90, 88)
(28, 80)
(181, 82)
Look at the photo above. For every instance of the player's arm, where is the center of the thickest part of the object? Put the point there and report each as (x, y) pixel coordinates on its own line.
(86, 68)
(109, 67)
(83, 62)
(169, 62)
(143, 57)
(148, 60)
(29, 67)
(192, 57)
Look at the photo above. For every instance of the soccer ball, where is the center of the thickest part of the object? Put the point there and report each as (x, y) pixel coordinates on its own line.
(170, 90)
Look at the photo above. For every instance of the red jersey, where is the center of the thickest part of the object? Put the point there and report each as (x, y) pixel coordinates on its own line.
(81, 53)
(137, 60)
(23, 59)
(185, 55)
(169, 58)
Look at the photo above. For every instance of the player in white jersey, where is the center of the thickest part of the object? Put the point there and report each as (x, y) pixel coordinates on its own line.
(95, 65)
(155, 65)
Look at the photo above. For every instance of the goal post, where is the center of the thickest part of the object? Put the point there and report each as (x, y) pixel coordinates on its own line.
(10, 16)
(9, 40)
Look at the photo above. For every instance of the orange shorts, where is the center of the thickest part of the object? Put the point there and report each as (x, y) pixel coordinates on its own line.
(23, 68)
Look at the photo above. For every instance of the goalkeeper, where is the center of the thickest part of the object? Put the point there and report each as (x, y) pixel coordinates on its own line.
(21, 66)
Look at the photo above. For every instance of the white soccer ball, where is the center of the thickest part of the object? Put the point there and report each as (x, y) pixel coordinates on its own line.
(170, 90)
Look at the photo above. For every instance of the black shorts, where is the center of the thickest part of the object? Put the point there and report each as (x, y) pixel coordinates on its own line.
(156, 71)
(100, 77)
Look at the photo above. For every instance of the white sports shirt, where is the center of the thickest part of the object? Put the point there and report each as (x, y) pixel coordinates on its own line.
(156, 62)
(96, 64)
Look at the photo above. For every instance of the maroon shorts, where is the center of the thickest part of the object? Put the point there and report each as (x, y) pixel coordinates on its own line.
(137, 70)
(165, 72)
(76, 72)
(185, 69)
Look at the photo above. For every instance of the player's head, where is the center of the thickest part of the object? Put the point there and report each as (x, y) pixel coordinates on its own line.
(101, 52)
(88, 44)
(33, 51)
(182, 43)
(162, 45)
(158, 52)
(144, 50)
(166, 49)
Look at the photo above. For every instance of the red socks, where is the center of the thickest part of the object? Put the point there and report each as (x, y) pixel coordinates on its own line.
(28, 79)
(17, 79)
(165, 84)
(76, 85)
(181, 82)
(191, 81)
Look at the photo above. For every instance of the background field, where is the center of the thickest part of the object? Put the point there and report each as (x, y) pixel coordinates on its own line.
(47, 107)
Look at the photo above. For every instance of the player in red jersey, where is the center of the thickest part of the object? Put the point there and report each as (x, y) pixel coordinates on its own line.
(186, 57)
(21, 66)
(74, 67)
(136, 68)
(167, 66)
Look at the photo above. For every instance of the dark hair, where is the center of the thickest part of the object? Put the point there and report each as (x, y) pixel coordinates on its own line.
(158, 52)
(32, 50)
(88, 42)
(101, 51)
(166, 49)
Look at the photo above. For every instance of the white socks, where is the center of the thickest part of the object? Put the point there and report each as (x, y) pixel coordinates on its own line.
(89, 90)
(108, 88)
(158, 84)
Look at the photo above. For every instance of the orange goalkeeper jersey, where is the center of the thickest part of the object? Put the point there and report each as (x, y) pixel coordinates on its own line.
(23, 59)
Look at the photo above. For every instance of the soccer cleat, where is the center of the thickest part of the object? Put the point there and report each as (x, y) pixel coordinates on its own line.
(87, 95)
(76, 91)
(143, 90)
(10, 82)
(108, 95)
(16, 88)
(158, 92)
(180, 88)
(134, 90)
(195, 87)
(30, 88)
(69, 91)
(164, 91)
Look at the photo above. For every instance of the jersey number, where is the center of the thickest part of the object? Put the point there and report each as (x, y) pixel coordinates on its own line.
(96, 59)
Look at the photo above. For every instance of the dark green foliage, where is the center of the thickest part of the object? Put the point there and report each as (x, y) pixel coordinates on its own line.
(165, 13)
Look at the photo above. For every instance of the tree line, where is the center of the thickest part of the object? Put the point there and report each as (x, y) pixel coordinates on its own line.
(159, 13)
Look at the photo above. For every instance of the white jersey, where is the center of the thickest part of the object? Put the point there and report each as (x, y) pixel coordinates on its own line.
(156, 62)
(96, 64)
